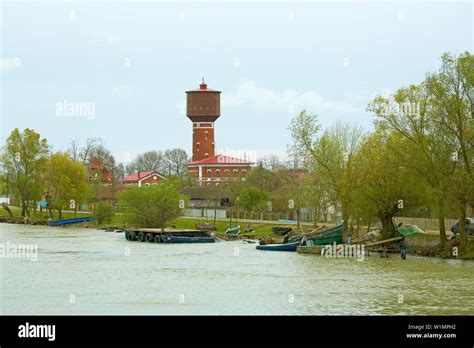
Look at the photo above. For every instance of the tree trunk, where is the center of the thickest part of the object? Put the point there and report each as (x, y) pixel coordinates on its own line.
(297, 218)
(60, 214)
(387, 225)
(442, 232)
(7, 208)
(345, 222)
(315, 216)
(462, 226)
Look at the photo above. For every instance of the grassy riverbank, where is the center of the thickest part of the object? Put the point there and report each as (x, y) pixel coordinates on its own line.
(422, 244)
(259, 229)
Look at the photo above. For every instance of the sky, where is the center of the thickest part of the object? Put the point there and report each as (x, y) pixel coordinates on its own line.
(131, 62)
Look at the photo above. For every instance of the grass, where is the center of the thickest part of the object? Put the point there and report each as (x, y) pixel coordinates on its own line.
(259, 230)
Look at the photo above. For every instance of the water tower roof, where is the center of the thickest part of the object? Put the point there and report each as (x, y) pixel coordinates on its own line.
(203, 88)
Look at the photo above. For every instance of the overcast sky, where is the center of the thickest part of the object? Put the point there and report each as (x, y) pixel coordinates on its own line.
(133, 62)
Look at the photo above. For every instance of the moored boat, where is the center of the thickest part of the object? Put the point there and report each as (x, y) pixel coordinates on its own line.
(70, 221)
(233, 231)
(281, 230)
(331, 235)
(279, 247)
(206, 227)
(180, 239)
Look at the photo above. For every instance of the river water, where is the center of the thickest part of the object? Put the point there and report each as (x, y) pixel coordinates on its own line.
(85, 271)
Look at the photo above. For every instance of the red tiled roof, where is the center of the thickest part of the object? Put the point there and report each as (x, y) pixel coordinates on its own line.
(220, 159)
(107, 176)
(139, 175)
(203, 88)
(136, 176)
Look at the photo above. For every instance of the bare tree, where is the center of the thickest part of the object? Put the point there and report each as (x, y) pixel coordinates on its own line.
(177, 159)
(152, 161)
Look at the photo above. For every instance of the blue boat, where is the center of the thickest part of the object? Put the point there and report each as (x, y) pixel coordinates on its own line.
(179, 239)
(279, 247)
(70, 221)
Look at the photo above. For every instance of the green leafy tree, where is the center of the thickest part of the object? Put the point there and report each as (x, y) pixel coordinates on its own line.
(329, 156)
(386, 187)
(66, 183)
(451, 92)
(24, 158)
(250, 198)
(152, 206)
(427, 149)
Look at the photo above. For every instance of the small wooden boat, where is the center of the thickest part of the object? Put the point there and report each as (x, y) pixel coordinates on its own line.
(316, 249)
(180, 239)
(281, 230)
(233, 231)
(206, 227)
(249, 241)
(279, 247)
(331, 235)
(70, 221)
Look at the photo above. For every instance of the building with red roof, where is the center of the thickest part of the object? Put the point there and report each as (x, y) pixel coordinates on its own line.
(99, 172)
(218, 169)
(142, 179)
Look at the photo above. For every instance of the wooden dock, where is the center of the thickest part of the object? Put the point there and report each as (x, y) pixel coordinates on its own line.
(382, 242)
(306, 249)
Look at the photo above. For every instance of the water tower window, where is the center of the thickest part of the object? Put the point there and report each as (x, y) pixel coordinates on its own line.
(197, 145)
(206, 154)
(235, 171)
(209, 172)
(218, 172)
(226, 172)
(206, 134)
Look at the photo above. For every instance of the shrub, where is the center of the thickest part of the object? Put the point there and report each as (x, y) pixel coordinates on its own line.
(103, 212)
(152, 206)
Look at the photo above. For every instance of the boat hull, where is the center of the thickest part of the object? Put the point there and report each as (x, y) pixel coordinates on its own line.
(178, 239)
(279, 247)
(324, 241)
(70, 221)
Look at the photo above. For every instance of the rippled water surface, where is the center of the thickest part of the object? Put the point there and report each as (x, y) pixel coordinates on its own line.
(84, 271)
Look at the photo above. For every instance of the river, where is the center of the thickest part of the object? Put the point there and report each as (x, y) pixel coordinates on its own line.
(86, 271)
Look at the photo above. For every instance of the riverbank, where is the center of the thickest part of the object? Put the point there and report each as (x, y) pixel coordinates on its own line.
(421, 244)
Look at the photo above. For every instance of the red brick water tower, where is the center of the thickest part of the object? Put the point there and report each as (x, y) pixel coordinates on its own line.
(203, 107)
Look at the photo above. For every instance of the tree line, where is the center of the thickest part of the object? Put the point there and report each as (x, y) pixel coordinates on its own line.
(38, 176)
(419, 156)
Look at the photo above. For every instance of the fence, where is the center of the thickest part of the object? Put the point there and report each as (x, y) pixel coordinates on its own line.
(423, 223)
